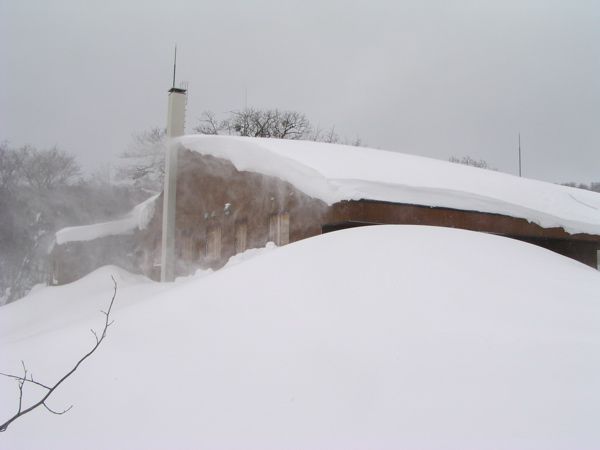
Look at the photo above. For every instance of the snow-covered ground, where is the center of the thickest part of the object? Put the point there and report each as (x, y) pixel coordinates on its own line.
(378, 337)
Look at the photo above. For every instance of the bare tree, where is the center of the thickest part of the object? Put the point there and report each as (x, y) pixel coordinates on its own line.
(38, 169)
(290, 125)
(356, 142)
(468, 161)
(272, 123)
(22, 380)
(11, 162)
(48, 169)
(209, 124)
(143, 162)
(269, 123)
(593, 186)
(329, 136)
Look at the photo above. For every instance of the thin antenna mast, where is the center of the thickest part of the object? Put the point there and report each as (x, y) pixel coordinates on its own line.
(174, 65)
(519, 154)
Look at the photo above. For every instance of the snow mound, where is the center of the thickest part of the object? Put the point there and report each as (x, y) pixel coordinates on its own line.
(332, 173)
(234, 260)
(137, 219)
(51, 308)
(250, 254)
(375, 337)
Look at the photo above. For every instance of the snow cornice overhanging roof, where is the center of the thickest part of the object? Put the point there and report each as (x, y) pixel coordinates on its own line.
(333, 173)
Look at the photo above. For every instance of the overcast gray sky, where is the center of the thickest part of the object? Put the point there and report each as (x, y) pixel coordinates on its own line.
(433, 78)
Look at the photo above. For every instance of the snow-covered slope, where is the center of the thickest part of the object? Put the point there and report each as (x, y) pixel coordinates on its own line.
(376, 337)
(333, 173)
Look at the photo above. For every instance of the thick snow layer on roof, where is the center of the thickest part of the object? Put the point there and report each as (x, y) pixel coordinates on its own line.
(137, 219)
(332, 173)
(492, 344)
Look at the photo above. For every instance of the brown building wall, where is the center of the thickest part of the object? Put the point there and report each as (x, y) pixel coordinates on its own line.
(212, 195)
(371, 211)
(582, 247)
(73, 260)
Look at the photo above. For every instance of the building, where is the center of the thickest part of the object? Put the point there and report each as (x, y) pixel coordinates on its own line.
(236, 193)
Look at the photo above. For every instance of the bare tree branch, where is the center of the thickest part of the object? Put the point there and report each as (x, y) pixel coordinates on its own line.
(58, 413)
(95, 334)
(22, 380)
(29, 380)
(21, 383)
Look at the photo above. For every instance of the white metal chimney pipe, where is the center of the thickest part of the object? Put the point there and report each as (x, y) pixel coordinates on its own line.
(175, 127)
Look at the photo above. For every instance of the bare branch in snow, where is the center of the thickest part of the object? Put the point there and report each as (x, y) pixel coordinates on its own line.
(22, 380)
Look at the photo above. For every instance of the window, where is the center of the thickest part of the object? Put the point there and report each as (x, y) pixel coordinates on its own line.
(279, 229)
(189, 253)
(185, 246)
(213, 244)
(199, 249)
(241, 231)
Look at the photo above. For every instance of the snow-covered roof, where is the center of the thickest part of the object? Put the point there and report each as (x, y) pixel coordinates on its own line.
(137, 219)
(333, 173)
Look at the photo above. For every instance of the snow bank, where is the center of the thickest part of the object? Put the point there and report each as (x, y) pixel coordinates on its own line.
(375, 337)
(234, 260)
(137, 219)
(334, 173)
(54, 307)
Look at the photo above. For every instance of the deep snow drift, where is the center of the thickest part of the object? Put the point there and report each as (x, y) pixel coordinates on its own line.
(377, 337)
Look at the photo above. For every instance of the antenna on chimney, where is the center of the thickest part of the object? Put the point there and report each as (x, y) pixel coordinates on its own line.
(519, 153)
(174, 65)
